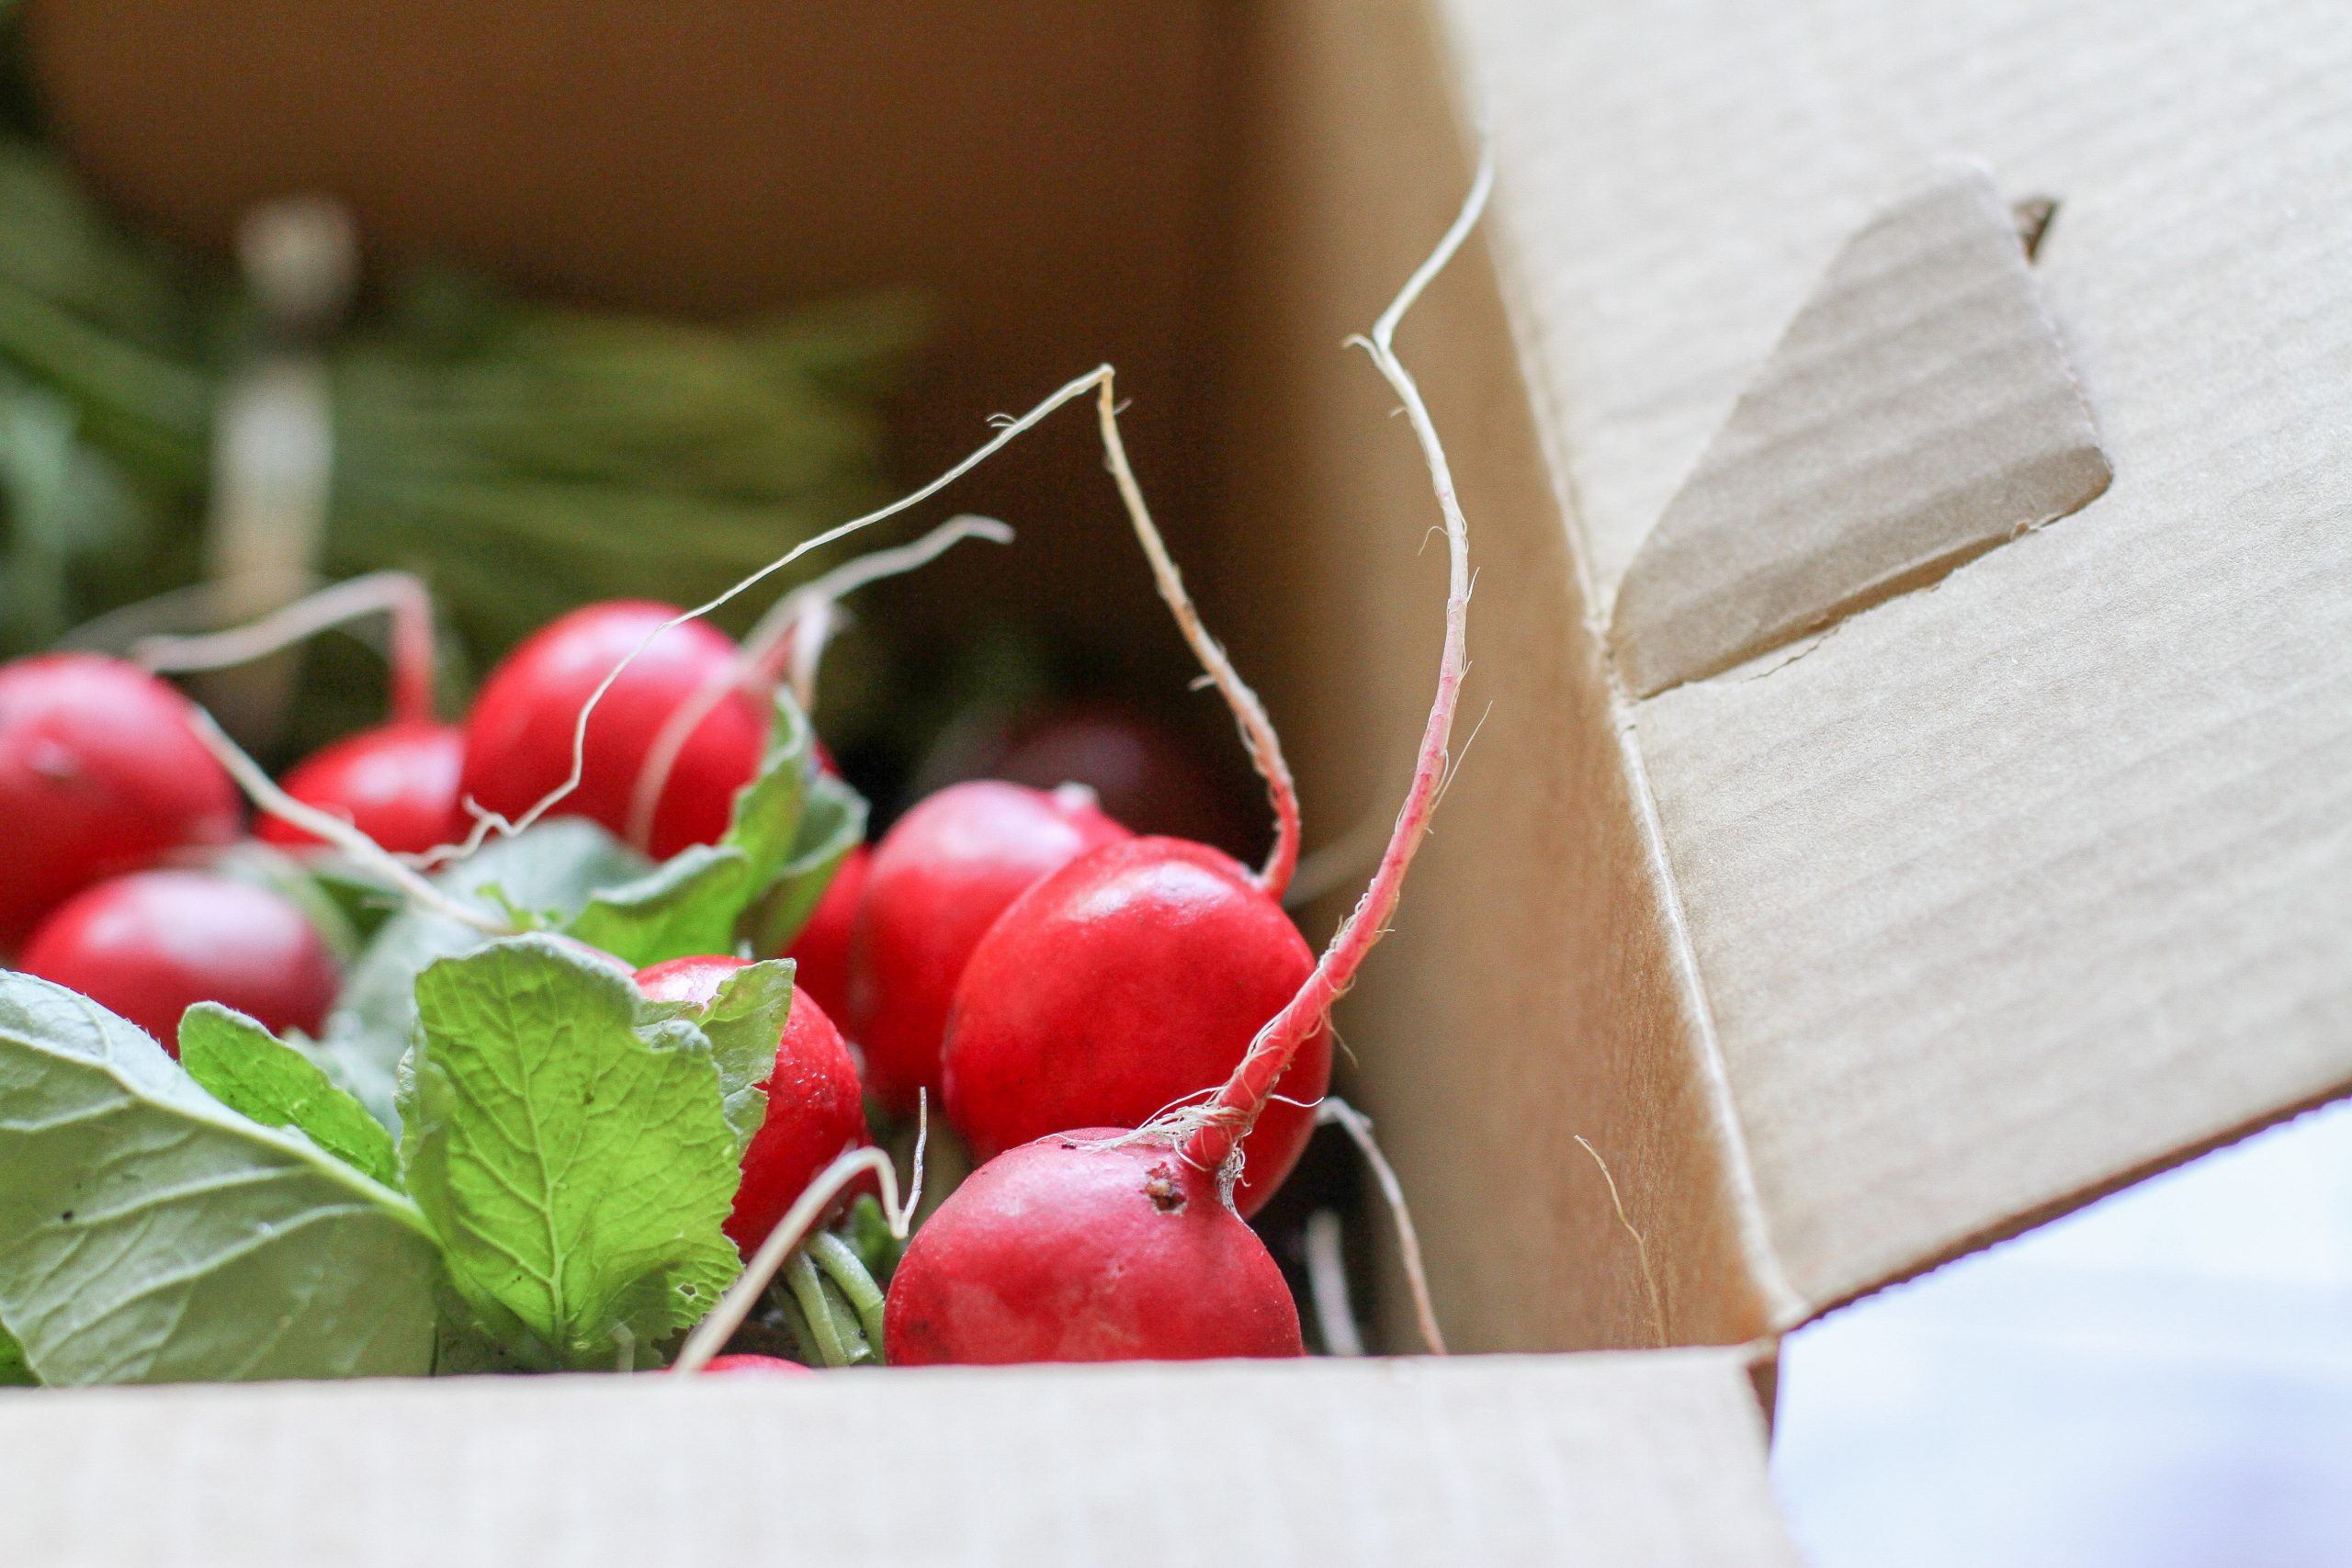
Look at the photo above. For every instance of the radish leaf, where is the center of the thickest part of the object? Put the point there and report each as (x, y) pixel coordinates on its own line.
(14, 1374)
(689, 904)
(569, 1142)
(255, 1074)
(833, 824)
(149, 1234)
(552, 867)
(744, 1022)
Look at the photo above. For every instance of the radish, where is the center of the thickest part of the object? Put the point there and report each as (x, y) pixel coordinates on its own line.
(1075, 1249)
(150, 945)
(1133, 978)
(821, 950)
(397, 783)
(746, 1365)
(940, 877)
(99, 774)
(1144, 773)
(814, 1111)
(1104, 1243)
(519, 734)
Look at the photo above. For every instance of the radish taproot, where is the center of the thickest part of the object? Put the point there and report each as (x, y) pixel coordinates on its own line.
(1067, 1247)
(938, 880)
(150, 945)
(519, 733)
(814, 1111)
(101, 775)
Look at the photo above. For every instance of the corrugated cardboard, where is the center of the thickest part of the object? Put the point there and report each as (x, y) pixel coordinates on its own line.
(2029, 871)
(1918, 410)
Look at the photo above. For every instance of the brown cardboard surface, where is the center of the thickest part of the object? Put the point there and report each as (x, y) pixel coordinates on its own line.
(1918, 410)
(2002, 892)
(1532, 991)
(1632, 1460)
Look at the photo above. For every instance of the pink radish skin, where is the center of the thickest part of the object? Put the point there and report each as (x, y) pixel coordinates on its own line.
(746, 1365)
(814, 1108)
(1133, 978)
(99, 775)
(149, 946)
(821, 950)
(518, 735)
(397, 783)
(939, 879)
(1069, 1249)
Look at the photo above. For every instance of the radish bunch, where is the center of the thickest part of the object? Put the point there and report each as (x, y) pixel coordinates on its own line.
(580, 1089)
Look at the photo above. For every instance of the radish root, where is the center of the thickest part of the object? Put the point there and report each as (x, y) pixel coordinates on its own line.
(1337, 1112)
(1641, 1247)
(1209, 1137)
(1327, 1286)
(392, 868)
(397, 595)
(1007, 431)
(1257, 730)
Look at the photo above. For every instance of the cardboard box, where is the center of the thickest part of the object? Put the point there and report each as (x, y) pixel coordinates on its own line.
(1915, 787)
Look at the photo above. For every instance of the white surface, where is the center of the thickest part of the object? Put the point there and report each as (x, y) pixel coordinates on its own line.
(2163, 1379)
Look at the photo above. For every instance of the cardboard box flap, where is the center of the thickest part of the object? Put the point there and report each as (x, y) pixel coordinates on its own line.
(2010, 891)
(1918, 410)
(1612, 1461)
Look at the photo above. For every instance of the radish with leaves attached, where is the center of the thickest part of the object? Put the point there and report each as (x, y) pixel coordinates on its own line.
(1072, 1247)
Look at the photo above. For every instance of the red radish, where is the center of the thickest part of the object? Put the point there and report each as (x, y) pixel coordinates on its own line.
(746, 1365)
(150, 946)
(1047, 1252)
(519, 735)
(1074, 1249)
(1143, 772)
(397, 783)
(938, 881)
(821, 950)
(1133, 978)
(99, 775)
(814, 1110)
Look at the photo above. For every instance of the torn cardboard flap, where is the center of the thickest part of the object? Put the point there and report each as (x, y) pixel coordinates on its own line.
(1918, 410)
(1629, 1460)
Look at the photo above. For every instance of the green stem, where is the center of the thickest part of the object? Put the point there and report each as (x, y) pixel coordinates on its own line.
(847, 1270)
(808, 1288)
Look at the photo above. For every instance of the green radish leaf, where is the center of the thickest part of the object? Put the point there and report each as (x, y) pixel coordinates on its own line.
(687, 905)
(569, 1142)
(555, 866)
(744, 1022)
(833, 824)
(13, 1372)
(148, 1234)
(790, 825)
(254, 1072)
